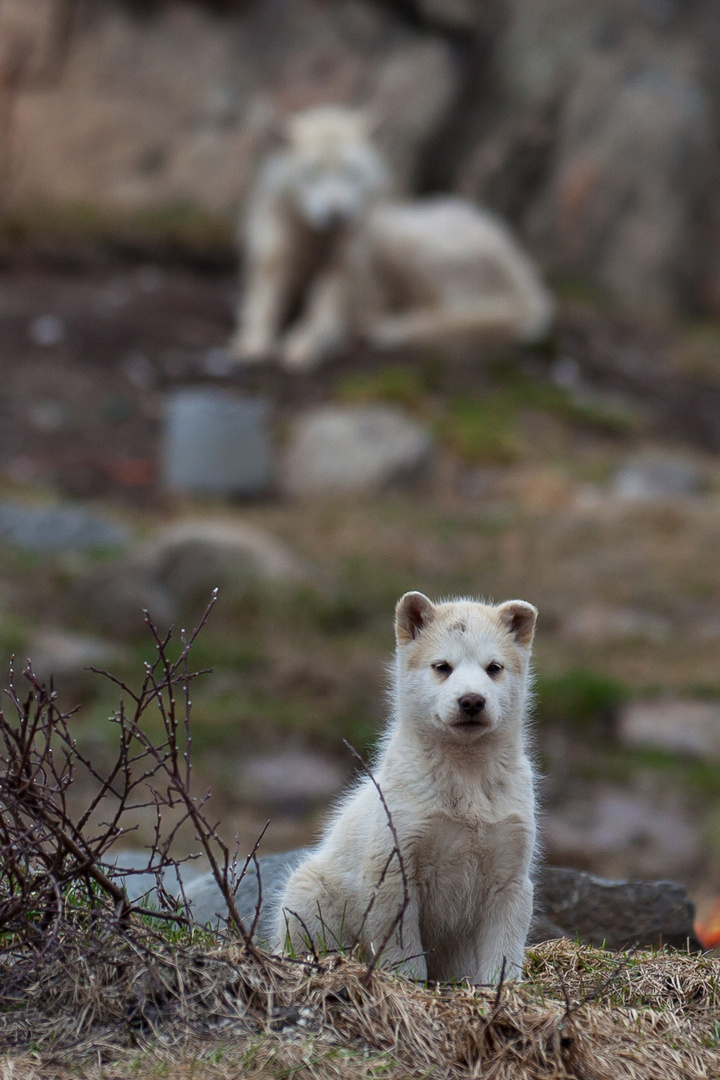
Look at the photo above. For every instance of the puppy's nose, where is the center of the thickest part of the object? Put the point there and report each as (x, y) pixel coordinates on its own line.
(472, 704)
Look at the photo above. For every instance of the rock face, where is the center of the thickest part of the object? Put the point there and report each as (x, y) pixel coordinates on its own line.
(591, 126)
(335, 450)
(622, 198)
(172, 106)
(597, 141)
(616, 914)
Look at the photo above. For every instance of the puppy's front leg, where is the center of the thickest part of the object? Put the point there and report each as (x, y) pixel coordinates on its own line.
(404, 951)
(500, 943)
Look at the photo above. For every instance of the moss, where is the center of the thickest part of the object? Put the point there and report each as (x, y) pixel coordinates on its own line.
(77, 229)
(579, 698)
(398, 384)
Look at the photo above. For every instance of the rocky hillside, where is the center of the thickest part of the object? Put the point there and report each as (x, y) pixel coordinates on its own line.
(592, 127)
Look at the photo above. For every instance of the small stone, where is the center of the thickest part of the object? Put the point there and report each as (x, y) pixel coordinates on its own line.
(67, 657)
(645, 480)
(675, 724)
(179, 567)
(58, 528)
(291, 781)
(598, 623)
(149, 279)
(335, 450)
(49, 415)
(139, 372)
(218, 363)
(565, 373)
(47, 331)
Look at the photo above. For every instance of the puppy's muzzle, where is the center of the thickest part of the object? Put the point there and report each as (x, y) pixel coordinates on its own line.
(472, 711)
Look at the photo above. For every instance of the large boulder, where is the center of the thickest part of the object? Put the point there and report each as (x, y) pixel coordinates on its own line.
(177, 570)
(611, 914)
(569, 903)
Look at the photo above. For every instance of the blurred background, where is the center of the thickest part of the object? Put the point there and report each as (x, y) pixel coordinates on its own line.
(582, 475)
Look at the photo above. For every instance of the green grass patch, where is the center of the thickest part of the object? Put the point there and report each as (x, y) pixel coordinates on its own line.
(579, 698)
(163, 231)
(398, 384)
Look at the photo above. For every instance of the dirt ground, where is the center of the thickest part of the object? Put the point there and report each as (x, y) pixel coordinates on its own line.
(86, 352)
(86, 355)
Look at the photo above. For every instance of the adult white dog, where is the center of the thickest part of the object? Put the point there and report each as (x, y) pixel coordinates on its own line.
(437, 876)
(331, 257)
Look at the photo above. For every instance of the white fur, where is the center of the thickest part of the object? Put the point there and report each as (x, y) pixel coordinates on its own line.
(321, 229)
(459, 790)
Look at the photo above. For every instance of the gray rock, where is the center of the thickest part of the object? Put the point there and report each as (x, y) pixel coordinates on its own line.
(291, 781)
(47, 330)
(58, 528)
(68, 657)
(113, 599)
(208, 907)
(675, 724)
(180, 566)
(612, 914)
(650, 479)
(214, 442)
(599, 623)
(336, 450)
(130, 867)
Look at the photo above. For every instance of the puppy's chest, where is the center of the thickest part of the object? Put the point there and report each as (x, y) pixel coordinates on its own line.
(459, 863)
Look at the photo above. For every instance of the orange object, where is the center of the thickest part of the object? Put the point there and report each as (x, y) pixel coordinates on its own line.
(132, 472)
(707, 930)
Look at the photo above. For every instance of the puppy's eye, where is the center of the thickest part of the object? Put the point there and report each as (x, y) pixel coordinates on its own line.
(494, 669)
(443, 668)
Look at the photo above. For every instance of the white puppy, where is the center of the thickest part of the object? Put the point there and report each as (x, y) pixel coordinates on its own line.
(458, 787)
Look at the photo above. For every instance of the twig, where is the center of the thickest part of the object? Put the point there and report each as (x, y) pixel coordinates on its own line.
(397, 922)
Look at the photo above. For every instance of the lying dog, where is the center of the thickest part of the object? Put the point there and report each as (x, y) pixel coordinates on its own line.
(457, 800)
(331, 257)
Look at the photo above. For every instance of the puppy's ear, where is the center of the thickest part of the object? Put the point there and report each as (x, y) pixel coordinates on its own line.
(412, 614)
(520, 618)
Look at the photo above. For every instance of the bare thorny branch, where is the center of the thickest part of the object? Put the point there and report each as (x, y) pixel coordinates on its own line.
(55, 863)
(395, 853)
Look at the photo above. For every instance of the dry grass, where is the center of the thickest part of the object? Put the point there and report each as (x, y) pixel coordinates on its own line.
(580, 1013)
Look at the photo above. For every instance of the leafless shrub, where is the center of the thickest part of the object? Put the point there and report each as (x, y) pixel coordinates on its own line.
(56, 879)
